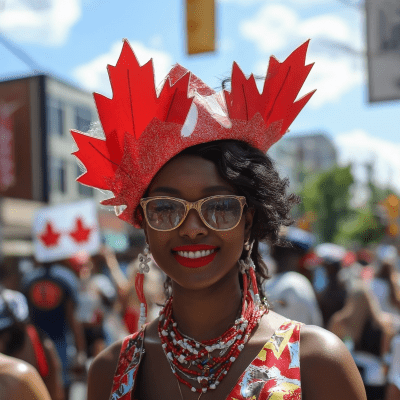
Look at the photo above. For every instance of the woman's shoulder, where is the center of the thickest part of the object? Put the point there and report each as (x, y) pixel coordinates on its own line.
(327, 368)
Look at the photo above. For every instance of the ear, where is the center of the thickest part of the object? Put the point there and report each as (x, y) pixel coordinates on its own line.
(248, 217)
(145, 227)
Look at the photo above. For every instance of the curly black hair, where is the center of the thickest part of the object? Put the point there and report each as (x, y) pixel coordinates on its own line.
(254, 176)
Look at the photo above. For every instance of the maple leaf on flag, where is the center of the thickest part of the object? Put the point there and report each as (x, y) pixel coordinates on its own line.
(50, 237)
(80, 234)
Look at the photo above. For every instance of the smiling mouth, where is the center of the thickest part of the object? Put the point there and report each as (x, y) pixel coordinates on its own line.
(195, 256)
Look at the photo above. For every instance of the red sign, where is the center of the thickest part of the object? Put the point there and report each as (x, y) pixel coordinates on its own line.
(7, 159)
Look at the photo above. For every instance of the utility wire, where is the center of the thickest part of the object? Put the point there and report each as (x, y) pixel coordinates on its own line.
(19, 53)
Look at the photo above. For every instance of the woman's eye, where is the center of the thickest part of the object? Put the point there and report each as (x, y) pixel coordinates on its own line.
(164, 208)
(221, 207)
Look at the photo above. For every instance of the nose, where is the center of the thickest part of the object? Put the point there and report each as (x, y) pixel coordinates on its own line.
(193, 227)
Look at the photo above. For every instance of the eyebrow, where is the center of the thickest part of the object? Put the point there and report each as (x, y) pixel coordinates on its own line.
(218, 188)
(209, 189)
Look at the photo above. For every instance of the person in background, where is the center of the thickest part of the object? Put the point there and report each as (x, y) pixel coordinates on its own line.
(333, 296)
(52, 293)
(367, 332)
(386, 283)
(289, 292)
(393, 379)
(23, 341)
(20, 381)
(96, 295)
(129, 302)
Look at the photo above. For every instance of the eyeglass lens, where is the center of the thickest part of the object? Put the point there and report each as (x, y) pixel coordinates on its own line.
(219, 213)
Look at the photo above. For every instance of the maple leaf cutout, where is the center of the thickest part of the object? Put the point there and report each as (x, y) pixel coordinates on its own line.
(50, 237)
(80, 234)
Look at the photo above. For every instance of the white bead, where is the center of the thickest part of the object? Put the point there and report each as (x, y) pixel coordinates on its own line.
(241, 347)
(208, 348)
(204, 390)
(175, 325)
(164, 333)
(181, 358)
(193, 389)
(216, 383)
(212, 386)
(164, 345)
(232, 359)
(170, 356)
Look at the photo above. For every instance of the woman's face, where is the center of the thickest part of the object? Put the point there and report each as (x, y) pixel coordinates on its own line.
(193, 178)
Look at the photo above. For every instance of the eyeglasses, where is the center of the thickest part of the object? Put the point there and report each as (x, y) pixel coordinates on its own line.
(220, 213)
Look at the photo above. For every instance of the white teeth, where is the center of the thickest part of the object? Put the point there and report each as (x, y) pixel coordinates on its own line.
(197, 254)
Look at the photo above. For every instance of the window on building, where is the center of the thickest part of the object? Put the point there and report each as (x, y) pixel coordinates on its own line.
(83, 118)
(55, 116)
(83, 190)
(58, 175)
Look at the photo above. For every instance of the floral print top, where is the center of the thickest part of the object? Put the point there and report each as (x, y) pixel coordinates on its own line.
(273, 375)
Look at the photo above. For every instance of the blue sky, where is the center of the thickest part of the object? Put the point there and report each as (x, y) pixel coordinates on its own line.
(75, 39)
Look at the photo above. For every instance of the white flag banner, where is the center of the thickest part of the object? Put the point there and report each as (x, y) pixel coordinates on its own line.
(63, 230)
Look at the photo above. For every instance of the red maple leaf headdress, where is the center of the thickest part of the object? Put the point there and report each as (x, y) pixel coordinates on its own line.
(144, 128)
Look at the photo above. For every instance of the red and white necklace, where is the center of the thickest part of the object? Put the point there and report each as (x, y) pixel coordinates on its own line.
(196, 364)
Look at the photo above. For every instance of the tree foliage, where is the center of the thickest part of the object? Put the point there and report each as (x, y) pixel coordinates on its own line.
(328, 195)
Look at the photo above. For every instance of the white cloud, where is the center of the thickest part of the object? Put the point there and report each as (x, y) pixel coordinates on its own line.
(360, 148)
(278, 29)
(46, 22)
(93, 75)
(297, 3)
(275, 26)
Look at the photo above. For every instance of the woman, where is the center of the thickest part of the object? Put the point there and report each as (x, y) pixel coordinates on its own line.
(189, 166)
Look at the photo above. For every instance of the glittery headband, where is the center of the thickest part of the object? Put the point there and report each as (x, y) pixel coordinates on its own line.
(145, 127)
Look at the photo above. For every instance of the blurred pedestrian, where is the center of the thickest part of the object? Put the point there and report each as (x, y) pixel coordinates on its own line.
(96, 294)
(333, 296)
(20, 381)
(289, 292)
(386, 283)
(393, 380)
(52, 293)
(22, 340)
(367, 331)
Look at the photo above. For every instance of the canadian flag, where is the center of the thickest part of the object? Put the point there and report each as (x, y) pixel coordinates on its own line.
(63, 230)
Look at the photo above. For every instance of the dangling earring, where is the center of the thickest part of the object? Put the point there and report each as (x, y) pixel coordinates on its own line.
(144, 268)
(248, 265)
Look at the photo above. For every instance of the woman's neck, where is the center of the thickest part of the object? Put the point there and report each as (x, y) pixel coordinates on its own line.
(207, 313)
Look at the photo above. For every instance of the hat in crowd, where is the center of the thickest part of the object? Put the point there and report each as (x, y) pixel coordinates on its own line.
(13, 308)
(298, 237)
(330, 252)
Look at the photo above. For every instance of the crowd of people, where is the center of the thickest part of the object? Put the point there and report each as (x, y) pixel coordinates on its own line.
(57, 317)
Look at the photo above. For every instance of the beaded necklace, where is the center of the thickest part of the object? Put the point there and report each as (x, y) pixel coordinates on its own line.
(192, 362)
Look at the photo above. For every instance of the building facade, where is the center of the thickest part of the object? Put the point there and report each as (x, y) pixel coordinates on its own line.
(36, 165)
(301, 154)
